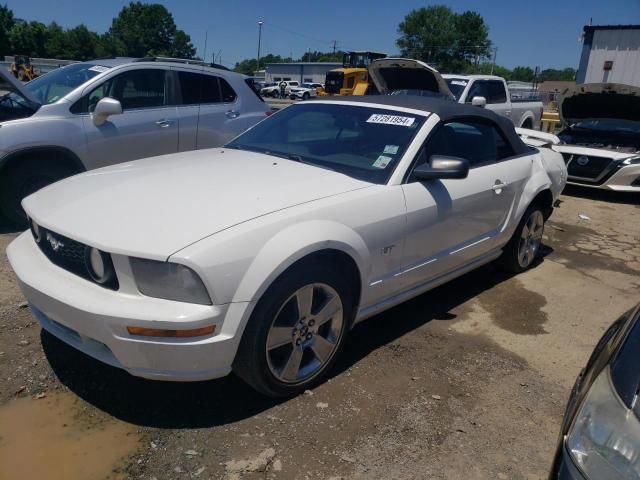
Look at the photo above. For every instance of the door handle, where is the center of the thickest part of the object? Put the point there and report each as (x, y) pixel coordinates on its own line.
(232, 114)
(498, 187)
(164, 123)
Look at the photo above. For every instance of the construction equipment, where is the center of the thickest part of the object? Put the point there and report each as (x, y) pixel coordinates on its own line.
(22, 68)
(353, 77)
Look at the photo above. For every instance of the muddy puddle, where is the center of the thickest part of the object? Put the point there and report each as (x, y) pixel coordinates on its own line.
(522, 315)
(54, 438)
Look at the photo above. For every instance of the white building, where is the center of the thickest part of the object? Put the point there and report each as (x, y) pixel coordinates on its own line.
(299, 71)
(610, 54)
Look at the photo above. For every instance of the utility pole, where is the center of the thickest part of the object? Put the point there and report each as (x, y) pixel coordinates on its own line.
(334, 47)
(259, 40)
(495, 54)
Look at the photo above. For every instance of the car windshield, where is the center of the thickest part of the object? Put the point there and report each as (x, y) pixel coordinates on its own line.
(362, 142)
(56, 84)
(609, 125)
(457, 86)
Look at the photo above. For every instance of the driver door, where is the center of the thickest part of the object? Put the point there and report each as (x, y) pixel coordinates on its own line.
(453, 222)
(148, 125)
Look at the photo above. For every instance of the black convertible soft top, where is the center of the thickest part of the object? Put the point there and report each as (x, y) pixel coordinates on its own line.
(447, 110)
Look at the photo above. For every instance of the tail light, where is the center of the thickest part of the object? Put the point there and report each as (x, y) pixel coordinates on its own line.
(268, 113)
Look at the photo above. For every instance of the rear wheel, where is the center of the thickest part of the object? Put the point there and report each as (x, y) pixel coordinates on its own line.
(523, 248)
(296, 331)
(23, 179)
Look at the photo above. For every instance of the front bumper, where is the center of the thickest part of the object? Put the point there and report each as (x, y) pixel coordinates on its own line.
(624, 179)
(93, 319)
(613, 175)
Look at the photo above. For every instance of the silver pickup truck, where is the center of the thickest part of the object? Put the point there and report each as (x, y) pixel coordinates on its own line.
(492, 92)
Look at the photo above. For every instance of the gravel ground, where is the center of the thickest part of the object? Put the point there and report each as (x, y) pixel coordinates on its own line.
(467, 381)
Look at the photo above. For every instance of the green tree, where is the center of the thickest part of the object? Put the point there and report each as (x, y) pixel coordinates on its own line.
(439, 36)
(523, 74)
(250, 65)
(554, 74)
(29, 38)
(7, 21)
(142, 29)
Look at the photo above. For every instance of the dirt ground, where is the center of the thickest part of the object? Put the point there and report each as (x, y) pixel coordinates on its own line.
(467, 381)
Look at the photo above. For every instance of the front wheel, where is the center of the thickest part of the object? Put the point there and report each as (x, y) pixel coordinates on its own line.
(296, 331)
(23, 179)
(523, 248)
(305, 96)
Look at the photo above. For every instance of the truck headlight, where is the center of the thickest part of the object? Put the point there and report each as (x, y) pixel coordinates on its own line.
(171, 281)
(604, 440)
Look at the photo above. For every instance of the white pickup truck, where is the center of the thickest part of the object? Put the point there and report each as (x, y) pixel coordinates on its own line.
(492, 92)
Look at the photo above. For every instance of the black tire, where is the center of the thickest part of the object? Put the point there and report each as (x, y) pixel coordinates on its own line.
(24, 178)
(527, 124)
(510, 260)
(252, 362)
(305, 96)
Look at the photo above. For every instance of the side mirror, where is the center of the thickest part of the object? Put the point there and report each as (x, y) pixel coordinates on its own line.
(104, 108)
(479, 102)
(440, 167)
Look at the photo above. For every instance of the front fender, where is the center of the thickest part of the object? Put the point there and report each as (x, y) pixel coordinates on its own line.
(294, 243)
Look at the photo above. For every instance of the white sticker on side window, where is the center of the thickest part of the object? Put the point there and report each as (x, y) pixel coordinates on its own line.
(391, 120)
(391, 149)
(459, 82)
(382, 161)
(99, 69)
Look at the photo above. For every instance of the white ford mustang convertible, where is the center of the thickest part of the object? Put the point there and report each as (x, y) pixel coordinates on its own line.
(259, 257)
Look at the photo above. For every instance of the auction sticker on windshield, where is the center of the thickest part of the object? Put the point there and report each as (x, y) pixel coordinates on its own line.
(382, 161)
(391, 120)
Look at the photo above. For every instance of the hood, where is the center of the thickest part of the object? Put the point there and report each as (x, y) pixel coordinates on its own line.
(389, 74)
(154, 207)
(599, 100)
(10, 83)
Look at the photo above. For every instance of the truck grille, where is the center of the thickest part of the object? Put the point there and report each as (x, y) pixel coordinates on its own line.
(67, 254)
(333, 82)
(587, 168)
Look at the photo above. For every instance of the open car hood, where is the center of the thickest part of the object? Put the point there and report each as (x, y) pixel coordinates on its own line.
(390, 74)
(599, 100)
(10, 83)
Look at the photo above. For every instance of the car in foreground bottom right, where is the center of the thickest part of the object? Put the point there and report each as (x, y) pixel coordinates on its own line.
(600, 434)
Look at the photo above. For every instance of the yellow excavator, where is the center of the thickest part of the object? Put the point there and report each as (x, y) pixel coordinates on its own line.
(22, 68)
(353, 77)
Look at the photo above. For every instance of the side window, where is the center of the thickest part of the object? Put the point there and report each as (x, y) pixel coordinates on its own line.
(140, 89)
(198, 88)
(479, 143)
(497, 93)
(478, 89)
(228, 94)
(351, 82)
(190, 87)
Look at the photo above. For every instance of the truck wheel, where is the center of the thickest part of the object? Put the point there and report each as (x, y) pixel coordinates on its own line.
(305, 96)
(23, 179)
(523, 248)
(296, 331)
(527, 124)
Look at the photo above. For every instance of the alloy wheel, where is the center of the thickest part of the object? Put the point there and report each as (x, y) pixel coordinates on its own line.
(530, 239)
(305, 333)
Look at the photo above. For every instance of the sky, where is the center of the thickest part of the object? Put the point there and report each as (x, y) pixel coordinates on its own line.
(543, 33)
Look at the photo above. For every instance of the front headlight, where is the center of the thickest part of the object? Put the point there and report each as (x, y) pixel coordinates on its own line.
(604, 439)
(171, 281)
